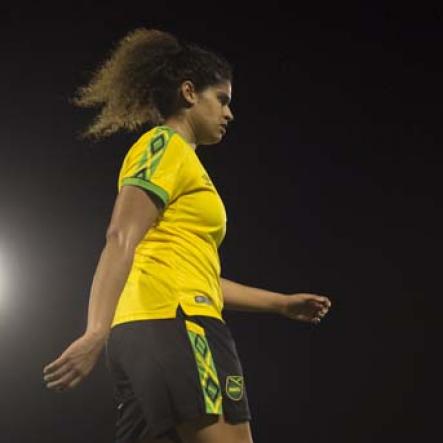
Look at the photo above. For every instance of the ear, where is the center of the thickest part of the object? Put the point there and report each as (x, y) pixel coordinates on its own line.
(188, 92)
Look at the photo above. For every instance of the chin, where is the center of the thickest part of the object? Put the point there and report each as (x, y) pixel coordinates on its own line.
(212, 141)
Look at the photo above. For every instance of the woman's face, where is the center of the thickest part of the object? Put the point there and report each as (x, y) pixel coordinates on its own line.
(210, 113)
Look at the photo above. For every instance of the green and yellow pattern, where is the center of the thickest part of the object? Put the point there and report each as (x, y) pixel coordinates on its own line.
(208, 375)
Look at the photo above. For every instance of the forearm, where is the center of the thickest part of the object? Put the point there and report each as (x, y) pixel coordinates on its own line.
(108, 282)
(247, 298)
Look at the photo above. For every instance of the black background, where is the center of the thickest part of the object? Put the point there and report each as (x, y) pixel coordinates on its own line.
(329, 175)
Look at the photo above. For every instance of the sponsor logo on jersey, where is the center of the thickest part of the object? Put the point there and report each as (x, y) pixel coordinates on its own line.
(203, 299)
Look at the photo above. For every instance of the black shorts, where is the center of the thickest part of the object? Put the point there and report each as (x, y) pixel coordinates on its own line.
(168, 371)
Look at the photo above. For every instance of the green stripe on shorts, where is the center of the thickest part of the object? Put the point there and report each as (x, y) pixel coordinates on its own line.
(206, 369)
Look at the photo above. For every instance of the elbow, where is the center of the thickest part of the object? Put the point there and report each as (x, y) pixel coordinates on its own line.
(121, 240)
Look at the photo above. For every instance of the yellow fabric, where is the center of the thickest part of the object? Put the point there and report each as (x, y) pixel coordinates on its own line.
(177, 262)
(194, 327)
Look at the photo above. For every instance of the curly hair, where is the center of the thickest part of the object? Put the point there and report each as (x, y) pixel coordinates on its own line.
(138, 86)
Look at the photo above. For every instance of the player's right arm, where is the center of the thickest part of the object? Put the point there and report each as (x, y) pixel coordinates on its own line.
(134, 212)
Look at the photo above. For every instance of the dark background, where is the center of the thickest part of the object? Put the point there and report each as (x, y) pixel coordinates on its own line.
(330, 180)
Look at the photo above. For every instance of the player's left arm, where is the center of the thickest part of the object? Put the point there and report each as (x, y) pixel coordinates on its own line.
(299, 306)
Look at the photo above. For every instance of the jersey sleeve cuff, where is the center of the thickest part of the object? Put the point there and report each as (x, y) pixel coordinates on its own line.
(148, 186)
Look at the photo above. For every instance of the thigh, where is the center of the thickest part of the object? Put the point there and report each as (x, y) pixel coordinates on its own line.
(157, 381)
(136, 352)
(214, 429)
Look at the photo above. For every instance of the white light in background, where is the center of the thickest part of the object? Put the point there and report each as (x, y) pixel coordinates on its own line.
(3, 277)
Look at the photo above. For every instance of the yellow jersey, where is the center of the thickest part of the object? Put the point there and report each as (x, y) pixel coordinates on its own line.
(177, 261)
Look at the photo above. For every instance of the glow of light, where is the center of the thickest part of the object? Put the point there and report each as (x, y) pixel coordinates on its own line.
(3, 277)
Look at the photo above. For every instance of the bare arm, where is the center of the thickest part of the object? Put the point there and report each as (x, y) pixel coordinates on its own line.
(133, 214)
(247, 298)
(304, 307)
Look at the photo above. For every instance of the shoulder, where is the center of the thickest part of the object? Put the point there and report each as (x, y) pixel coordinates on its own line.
(160, 139)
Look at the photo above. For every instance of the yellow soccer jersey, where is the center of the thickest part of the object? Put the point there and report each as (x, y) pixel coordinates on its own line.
(177, 262)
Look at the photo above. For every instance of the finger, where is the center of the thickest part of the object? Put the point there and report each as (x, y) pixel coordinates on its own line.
(315, 302)
(301, 317)
(319, 307)
(324, 311)
(51, 376)
(309, 318)
(323, 305)
(54, 366)
(68, 386)
(63, 381)
(75, 382)
(312, 311)
(327, 302)
(324, 301)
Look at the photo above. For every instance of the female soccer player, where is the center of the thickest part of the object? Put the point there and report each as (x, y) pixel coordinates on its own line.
(157, 294)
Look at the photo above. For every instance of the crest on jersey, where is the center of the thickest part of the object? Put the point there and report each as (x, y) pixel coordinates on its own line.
(234, 387)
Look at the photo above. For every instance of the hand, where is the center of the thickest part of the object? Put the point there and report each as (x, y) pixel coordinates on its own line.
(74, 364)
(305, 307)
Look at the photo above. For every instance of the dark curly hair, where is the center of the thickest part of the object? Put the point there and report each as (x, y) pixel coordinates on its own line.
(138, 86)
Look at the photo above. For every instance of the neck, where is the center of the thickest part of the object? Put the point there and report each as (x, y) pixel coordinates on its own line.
(184, 128)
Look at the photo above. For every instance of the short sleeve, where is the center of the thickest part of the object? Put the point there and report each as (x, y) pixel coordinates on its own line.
(155, 163)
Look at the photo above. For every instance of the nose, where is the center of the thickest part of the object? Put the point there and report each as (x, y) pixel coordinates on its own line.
(229, 116)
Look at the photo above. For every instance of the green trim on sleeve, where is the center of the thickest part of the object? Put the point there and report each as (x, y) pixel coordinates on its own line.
(169, 130)
(148, 186)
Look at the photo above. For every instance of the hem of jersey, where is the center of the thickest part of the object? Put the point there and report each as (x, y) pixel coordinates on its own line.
(148, 186)
(202, 310)
(172, 314)
(141, 316)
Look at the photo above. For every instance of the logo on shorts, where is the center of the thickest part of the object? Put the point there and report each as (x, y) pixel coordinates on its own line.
(234, 387)
(202, 299)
